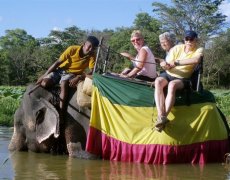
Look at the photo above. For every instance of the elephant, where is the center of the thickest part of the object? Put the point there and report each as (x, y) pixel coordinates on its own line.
(37, 125)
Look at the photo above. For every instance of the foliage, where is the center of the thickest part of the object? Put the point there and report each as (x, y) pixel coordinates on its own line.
(14, 92)
(144, 21)
(71, 35)
(17, 47)
(4, 68)
(10, 98)
(202, 16)
(217, 62)
(9, 106)
(23, 58)
(223, 101)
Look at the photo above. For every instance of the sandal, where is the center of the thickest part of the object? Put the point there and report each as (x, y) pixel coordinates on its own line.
(159, 129)
(160, 123)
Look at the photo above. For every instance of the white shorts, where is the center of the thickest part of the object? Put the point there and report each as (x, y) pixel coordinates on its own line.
(59, 75)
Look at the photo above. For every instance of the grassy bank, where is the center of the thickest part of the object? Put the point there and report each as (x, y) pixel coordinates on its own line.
(10, 98)
(223, 101)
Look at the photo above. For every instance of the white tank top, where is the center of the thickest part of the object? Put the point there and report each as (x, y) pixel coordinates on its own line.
(149, 68)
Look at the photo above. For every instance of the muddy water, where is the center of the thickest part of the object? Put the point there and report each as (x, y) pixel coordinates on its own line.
(28, 165)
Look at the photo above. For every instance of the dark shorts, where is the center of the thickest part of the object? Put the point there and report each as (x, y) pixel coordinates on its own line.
(59, 75)
(144, 78)
(186, 81)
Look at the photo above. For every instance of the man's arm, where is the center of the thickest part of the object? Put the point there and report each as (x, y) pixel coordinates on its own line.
(73, 82)
(51, 69)
(194, 60)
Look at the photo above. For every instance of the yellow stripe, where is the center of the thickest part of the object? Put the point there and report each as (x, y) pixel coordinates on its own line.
(134, 125)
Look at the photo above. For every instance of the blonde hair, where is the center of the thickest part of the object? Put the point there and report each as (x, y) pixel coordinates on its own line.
(137, 33)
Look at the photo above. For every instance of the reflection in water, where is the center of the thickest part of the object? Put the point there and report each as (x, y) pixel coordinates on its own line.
(6, 171)
(28, 165)
(45, 166)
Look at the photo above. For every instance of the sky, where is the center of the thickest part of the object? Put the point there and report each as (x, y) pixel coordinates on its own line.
(39, 17)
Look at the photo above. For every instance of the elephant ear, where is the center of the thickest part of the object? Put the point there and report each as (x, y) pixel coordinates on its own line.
(47, 121)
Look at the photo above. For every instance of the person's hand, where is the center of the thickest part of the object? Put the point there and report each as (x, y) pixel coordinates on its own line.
(164, 65)
(171, 65)
(73, 82)
(127, 55)
(124, 75)
(40, 80)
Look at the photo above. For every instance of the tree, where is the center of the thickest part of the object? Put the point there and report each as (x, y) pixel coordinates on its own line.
(119, 41)
(151, 28)
(144, 21)
(18, 47)
(203, 16)
(4, 68)
(70, 36)
(217, 65)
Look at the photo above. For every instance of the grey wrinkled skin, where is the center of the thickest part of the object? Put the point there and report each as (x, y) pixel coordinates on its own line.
(37, 125)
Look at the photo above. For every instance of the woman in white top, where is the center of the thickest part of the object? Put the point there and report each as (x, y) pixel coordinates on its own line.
(144, 64)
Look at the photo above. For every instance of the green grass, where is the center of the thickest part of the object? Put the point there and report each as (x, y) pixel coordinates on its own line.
(223, 101)
(16, 92)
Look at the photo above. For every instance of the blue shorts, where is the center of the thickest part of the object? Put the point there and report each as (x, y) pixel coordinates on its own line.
(169, 78)
(59, 75)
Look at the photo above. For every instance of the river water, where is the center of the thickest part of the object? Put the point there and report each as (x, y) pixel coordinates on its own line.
(29, 165)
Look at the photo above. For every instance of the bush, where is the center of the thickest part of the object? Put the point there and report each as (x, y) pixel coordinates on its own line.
(10, 98)
(223, 101)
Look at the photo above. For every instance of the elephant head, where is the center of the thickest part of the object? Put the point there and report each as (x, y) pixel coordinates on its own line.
(37, 126)
(35, 121)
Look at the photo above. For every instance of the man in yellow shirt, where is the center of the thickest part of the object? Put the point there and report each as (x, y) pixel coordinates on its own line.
(69, 69)
(179, 67)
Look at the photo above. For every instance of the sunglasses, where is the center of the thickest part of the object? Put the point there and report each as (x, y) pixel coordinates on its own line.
(135, 40)
(189, 39)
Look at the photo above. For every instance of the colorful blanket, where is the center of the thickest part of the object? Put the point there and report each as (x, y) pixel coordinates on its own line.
(122, 126)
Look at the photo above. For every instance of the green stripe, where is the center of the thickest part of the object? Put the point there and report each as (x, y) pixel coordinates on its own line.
(123, 92)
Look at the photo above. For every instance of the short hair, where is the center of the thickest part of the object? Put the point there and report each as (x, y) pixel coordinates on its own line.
(168, 36)
(137, 33)
(93, 40)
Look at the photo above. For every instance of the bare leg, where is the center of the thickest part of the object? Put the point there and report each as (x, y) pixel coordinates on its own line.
(63, 94)
(160, 83)
(47, 82)
(170, 98)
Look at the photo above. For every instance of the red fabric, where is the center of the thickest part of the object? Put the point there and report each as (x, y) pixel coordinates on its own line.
(112, 149)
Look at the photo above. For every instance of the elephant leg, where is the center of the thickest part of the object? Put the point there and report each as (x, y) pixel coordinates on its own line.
(75, 137)
(59, 144)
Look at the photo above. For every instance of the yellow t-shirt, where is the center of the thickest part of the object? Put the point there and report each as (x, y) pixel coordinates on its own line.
(177, 53)
(73, 63)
